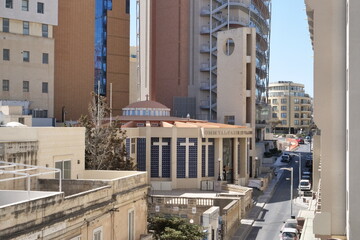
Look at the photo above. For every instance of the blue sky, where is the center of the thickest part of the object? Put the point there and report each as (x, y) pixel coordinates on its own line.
(291, 55)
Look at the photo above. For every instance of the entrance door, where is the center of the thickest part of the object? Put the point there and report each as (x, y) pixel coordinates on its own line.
(228, 168)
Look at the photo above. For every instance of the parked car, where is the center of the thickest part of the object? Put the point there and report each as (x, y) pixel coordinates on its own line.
(290, 223)
(300, 141)
(305, 185)
(289, 234)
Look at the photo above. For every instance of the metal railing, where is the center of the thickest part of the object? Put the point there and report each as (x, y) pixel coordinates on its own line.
(22, 173)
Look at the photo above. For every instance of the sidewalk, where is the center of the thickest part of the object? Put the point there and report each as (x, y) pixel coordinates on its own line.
(246, 224)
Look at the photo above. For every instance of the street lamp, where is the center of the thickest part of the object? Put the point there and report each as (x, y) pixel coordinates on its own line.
(219, 178)
(291, 188)
(299, 155)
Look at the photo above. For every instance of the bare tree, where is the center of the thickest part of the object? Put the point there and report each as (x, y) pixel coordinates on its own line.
(104, 143)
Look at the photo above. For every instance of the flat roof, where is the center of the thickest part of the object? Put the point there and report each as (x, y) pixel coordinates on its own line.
(12, 197)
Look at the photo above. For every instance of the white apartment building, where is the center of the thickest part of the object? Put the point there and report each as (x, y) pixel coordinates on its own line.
(27, 55)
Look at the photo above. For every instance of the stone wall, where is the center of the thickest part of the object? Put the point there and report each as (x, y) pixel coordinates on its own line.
(77, 215)
(69, 187)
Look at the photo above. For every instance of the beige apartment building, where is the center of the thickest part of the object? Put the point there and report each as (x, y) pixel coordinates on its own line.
(27, 61)
(291, 106)
(85, 204)
(334, 32)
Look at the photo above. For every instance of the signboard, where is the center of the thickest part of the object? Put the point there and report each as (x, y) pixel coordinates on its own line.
(226, 132)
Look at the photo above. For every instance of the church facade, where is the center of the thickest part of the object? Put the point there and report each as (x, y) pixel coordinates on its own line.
(183, 153)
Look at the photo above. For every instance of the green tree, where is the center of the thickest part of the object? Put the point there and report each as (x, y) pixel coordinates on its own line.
(104, 142)
(174, 228)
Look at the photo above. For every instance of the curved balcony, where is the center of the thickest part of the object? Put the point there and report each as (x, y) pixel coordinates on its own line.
(261, 56)
(205, 86)
(261, 73)
(205, 67)
(205, 48)
(205, 104)
(243, 22)
(260, 39)
(261, 6)
(223, 4)
(263, 45)
(260, 23)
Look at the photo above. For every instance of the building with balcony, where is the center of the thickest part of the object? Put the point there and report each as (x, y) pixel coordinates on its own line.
(92, 55)
(334, 31)
(190, 69)
(27, 61)
(184, 53)
(291, 107)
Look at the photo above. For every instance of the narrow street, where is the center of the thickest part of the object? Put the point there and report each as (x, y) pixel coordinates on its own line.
(277, 210)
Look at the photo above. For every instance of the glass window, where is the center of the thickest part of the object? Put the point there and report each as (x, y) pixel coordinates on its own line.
(296, 122)
(274, 101)
(283, 115)
(229, 120)
(45, 87)
(296, 108)
(26, 28)
(5, 85)
(97, 234)
(275, 108)
(283, 108)
(76, 238)
(127, 7)
(6, 25)
(25, 5)
(65, 167)
(6, 54)
(274, 115)
(283, 122)
(133, 146)
(26, 86)
(296, 101)
(45, 30)
(26, 56)
(9, 3)
(296, 115)
(45, 58)
(39, 113)
(40, 7)
(284, 100)
(131, 229)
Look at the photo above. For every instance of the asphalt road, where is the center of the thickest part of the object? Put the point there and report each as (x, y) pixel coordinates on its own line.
(277, 210)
